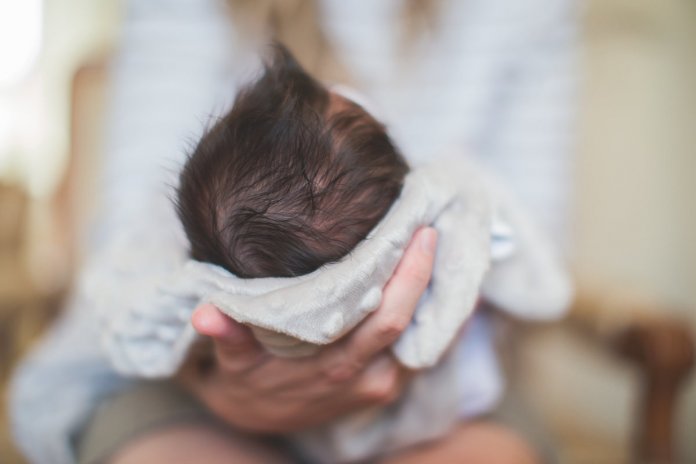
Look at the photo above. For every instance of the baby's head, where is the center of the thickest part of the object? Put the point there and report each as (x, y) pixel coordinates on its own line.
(293, 177)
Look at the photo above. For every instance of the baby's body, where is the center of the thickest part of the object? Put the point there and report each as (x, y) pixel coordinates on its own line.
(293, 183)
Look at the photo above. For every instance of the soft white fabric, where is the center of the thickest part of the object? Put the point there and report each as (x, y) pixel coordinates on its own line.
(496, 76)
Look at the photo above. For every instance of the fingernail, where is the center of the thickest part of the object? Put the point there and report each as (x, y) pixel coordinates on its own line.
(428, 240)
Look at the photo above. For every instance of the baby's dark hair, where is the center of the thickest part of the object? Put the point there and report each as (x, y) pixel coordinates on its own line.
(293, 177)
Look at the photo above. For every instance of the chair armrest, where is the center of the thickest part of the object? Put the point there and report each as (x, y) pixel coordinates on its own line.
(661, 347)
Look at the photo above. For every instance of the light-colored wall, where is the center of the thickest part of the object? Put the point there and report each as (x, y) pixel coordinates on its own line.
(636, 171)
(635, 217)
(72, 31)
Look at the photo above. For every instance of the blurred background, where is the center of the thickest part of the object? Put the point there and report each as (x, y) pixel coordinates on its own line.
(632, 217)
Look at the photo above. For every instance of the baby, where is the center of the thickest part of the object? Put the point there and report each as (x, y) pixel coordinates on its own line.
(292, 178)
(297, 207)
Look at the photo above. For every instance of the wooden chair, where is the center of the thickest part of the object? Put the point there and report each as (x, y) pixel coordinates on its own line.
(661, 348)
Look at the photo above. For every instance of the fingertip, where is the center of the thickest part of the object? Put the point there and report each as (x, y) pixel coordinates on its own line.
(208, 320)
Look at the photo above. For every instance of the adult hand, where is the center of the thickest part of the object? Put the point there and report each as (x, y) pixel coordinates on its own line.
(256, 391)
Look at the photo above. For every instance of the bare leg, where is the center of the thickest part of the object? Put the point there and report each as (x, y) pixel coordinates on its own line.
(197, 443)
(473, 443)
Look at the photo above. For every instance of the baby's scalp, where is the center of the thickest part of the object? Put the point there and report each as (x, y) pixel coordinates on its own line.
(291, 178)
